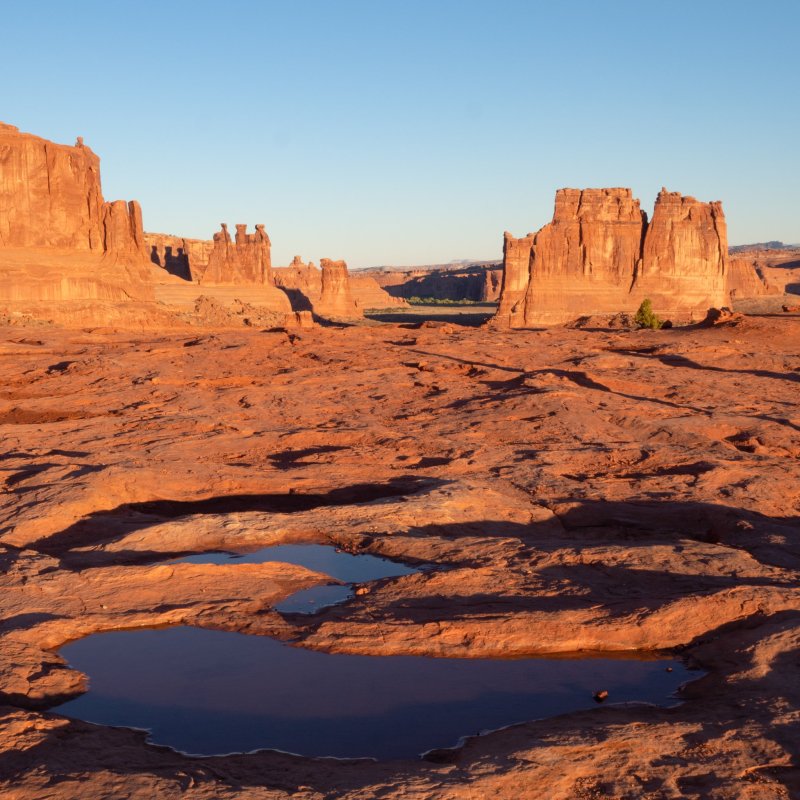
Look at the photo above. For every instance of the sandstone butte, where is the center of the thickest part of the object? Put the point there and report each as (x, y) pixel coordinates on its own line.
(247, 262)
(68, 255)
(63, 248)
(303, 282)
(600, 255)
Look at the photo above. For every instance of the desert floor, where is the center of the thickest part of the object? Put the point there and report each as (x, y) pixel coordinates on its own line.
(589, 490)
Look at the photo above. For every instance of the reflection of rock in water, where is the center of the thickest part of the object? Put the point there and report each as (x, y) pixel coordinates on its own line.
(208, 692)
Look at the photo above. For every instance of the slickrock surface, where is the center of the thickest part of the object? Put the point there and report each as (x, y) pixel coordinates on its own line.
(65, 253)
(595, 490)
(600, 255)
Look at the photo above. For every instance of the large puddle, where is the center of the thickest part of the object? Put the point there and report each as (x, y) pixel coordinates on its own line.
(211, 692)
(320, 558)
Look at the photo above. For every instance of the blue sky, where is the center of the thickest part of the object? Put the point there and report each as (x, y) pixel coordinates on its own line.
(405, 132)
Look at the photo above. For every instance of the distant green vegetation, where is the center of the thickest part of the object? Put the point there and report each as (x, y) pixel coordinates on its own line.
(439, 301)
(645, 317)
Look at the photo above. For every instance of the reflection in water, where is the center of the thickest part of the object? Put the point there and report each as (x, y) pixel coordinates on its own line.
(320, 558)
(205, 692)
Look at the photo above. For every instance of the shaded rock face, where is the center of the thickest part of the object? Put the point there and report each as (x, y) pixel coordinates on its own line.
(184, 258)
(245, 260)
(331, 291)
(474, 282)
(301, 281)
(600, 255)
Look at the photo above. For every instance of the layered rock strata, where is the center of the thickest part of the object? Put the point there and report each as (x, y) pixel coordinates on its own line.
(600, 255)
(59, 240)
(179, 256)
(304, 284)
(336, 299)
(479, 282)
(746, 280)
(244, 260)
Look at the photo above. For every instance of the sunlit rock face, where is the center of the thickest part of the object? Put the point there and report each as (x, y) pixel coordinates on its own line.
(59, 240)
(246, 259)
(599, 255)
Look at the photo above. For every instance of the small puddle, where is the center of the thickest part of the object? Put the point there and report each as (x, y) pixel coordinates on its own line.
(320, 558)
(210, 692)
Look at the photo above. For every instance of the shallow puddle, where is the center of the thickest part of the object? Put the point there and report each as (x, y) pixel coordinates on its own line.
(320, 558)
(212, 692)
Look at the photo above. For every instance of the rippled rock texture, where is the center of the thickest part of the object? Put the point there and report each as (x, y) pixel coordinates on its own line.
(583, 490)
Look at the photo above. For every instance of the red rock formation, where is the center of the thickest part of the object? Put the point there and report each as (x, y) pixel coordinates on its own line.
(516, 277)
(685, 256)
(336, 300)
(477, 282)
(247, 260)
(492, 285)
(368, 294)
(59, 241)
(303, 283)
(186, 258)
(745, 279)
(600, 256)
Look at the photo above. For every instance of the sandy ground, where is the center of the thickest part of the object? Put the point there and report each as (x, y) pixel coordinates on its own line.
(589, 490)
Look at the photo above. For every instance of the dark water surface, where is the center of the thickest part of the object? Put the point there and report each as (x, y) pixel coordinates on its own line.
(212, 692)
(319, 557)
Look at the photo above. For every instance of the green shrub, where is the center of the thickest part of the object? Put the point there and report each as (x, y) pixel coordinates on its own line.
(645, 318)
(438, 301)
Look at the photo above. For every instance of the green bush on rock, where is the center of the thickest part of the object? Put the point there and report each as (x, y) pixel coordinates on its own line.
(645, 318)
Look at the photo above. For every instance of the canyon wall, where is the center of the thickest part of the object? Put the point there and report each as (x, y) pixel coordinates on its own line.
(59, 240)
(599, 255)
(478, 282)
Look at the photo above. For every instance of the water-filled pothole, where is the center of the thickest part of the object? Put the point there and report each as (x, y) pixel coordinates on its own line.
(213, 692)
(320, 558)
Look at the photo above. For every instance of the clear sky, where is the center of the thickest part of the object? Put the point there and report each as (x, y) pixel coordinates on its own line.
(406, 132)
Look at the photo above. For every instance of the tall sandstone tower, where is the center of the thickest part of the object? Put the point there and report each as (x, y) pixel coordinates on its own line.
(59, 240)
(600, 255)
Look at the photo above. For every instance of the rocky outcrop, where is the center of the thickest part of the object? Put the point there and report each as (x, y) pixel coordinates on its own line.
(368, 294)
(599, 256)
(50, 197)
(245, 260)
(60, 242)
(745, 279)
(685, 256)
(304, 285)
(336, 300)
(184, 258)
(301, 281)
